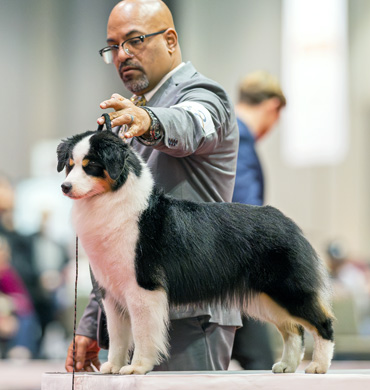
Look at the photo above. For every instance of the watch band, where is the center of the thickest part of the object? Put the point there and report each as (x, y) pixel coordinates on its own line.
(155, 129)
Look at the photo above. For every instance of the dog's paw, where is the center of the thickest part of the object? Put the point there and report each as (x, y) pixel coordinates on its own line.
(135, 369)
(109, 368)
(316, 368)
(283, 367)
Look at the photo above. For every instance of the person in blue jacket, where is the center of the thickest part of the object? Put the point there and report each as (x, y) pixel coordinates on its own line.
(258, 109)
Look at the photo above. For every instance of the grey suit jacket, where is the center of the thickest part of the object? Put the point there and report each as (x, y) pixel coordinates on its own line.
(195, 160)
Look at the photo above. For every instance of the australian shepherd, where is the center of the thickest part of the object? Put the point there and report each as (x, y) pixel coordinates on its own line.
(148, 250)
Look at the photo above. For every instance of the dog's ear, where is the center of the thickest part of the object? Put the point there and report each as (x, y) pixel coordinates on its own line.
(63, 153)
(114, 155)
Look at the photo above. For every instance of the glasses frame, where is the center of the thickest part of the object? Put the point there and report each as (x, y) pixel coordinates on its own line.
(141, 37)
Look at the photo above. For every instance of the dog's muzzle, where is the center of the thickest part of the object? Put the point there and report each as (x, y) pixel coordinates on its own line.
(66, 187)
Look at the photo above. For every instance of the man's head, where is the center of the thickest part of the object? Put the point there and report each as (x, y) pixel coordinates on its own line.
(150, 58)
(260, 101)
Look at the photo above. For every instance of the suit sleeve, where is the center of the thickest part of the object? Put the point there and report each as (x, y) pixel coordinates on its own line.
(195, 124)
(88, 325)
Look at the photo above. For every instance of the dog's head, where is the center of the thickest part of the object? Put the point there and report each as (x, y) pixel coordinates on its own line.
(94, 163)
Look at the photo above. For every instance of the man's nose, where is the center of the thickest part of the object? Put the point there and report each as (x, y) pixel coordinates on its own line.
(122, 55)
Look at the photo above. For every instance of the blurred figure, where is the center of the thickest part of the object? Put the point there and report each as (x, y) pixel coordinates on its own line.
(20, 245)
(49, 259)
(18, 324)
(350, 277)
(37, 260)
(258, 109)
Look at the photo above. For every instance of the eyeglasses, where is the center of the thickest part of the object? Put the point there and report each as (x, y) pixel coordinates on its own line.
(131, 47)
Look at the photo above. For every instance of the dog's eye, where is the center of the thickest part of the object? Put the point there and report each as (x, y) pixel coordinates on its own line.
(94, 164)
(69, 165)
(94, 168)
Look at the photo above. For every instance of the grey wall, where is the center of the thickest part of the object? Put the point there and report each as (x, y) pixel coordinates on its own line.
(52, 82)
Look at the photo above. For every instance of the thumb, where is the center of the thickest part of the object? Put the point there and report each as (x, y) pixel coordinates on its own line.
(80, 355)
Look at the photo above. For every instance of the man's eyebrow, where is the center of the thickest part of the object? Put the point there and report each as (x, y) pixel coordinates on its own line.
(127, 36)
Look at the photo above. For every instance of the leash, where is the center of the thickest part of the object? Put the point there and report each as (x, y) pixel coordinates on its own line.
(107, 123)
(100, 128)
(75, 319)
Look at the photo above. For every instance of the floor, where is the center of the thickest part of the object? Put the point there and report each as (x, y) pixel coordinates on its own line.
(27, 375)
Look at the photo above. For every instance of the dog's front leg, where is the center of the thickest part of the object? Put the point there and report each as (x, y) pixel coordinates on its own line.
(148, 312)
(120, 338)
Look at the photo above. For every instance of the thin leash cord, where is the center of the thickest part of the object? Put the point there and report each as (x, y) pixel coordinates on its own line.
(75, 319)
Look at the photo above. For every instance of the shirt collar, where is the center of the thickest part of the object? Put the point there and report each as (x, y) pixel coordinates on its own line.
(151, 93)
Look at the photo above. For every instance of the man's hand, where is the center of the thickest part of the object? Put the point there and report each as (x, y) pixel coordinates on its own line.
(126, 113)
(87, 351)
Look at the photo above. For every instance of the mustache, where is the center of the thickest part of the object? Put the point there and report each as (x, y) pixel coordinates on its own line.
(131, 63)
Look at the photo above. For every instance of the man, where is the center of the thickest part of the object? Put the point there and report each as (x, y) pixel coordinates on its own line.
(258, 110)
(187, 133)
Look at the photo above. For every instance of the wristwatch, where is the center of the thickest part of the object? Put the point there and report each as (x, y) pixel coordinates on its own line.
(155, 130)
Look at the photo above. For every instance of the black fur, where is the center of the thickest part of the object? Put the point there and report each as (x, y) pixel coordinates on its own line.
(226, 250)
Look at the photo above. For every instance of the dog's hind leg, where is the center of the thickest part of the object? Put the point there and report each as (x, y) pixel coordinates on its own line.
(319, 322)
(262, 307)
(317, 318)
(293, 351)
(322, 355)
(120, 338)
(149, 319)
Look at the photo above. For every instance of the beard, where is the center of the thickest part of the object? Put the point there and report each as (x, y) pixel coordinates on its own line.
(134, 84)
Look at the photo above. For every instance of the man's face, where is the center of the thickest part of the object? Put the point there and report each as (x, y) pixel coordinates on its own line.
(270, 114)
(143, 71)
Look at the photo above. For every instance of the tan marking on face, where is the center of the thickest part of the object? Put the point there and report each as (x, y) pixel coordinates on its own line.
(109, 181)
(105, 184)
(85, 162)
(71, 162)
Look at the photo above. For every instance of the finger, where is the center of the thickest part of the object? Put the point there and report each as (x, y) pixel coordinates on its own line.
(96, 363)
(80, 356)
(120, 118)
(116, 104)
(88, 368)
(69, 359)
(134, 131)
(117, 96)
(124, 119)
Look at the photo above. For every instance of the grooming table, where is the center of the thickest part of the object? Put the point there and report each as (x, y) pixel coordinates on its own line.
(215, 380)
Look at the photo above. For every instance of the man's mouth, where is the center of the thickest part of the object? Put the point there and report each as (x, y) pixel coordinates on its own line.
(126, 69)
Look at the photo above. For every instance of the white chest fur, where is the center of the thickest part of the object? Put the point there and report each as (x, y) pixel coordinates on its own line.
(107, 226)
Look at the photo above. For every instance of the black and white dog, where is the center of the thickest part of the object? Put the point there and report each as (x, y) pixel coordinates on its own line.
(148, 250)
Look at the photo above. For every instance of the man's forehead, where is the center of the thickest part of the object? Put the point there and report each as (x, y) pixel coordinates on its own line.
(129, 18)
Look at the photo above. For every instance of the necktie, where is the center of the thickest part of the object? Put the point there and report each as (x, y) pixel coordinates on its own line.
(138, 100)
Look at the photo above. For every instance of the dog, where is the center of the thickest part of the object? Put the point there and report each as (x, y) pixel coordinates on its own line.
(148, 250)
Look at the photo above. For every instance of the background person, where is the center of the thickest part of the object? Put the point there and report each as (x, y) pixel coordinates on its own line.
(258, 109)
(185, 129)
(19, 331)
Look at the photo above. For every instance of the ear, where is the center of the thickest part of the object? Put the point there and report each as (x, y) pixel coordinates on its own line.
(62, 153)
(273, 103)
(171, 39)
(114, 156)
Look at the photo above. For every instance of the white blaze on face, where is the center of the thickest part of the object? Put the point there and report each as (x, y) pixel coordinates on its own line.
(83, 185)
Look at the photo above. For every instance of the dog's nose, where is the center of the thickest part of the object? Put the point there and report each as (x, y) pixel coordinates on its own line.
(66, 187)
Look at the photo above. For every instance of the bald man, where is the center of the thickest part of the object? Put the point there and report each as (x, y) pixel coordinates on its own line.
(183, 125)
